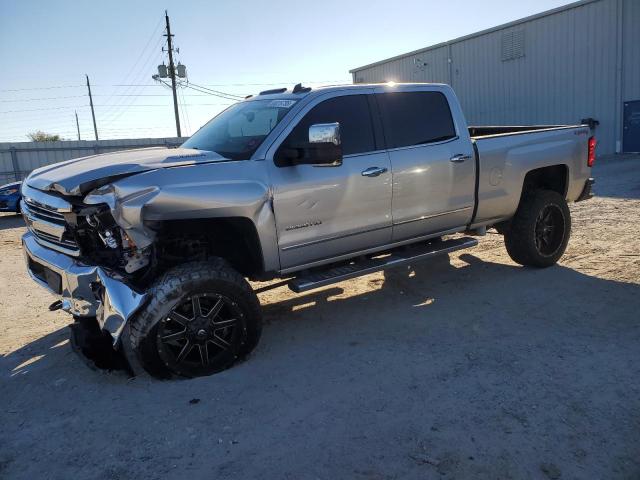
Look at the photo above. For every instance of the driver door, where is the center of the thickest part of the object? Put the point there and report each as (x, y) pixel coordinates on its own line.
(324, 211)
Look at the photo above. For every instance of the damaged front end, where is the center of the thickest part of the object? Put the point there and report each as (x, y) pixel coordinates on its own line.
(85, 290)
(80, 253)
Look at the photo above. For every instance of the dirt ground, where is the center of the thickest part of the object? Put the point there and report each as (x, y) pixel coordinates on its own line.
(470, 367)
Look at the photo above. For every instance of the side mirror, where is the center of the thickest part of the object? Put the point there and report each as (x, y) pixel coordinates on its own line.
(325, 133)
(322, 148)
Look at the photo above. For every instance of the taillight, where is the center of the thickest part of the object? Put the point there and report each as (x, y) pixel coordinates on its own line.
(592, 152)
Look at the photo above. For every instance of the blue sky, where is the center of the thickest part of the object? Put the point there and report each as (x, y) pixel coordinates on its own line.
(238, 47)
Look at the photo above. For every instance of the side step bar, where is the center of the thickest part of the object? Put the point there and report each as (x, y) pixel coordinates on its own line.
(394, 259)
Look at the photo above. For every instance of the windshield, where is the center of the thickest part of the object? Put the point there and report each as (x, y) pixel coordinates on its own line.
(237, 132)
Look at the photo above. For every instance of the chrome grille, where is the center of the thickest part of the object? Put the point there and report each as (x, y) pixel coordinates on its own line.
(64, 242)
(48, 225)
(44, 212)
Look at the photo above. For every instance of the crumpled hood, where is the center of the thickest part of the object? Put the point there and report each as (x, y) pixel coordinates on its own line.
(81, 175)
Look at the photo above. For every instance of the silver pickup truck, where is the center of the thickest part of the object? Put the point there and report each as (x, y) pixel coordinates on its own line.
(150, 249)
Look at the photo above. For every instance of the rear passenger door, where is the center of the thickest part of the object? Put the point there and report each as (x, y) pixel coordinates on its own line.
(432, 162)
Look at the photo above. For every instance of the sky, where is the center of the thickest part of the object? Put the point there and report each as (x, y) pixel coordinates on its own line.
(234, 47)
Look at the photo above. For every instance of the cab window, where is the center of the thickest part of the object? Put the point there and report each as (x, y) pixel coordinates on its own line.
(415, 118)
(350, 111)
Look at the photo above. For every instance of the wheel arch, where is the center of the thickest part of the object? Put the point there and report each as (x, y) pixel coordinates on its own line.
(551, 177)
(235, 239)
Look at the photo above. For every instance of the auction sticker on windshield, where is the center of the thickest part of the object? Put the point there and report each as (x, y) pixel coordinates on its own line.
(281, 103)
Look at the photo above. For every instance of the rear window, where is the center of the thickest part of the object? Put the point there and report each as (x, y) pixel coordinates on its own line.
(415, 118)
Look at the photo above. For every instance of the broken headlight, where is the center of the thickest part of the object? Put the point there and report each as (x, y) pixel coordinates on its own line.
(104, 242)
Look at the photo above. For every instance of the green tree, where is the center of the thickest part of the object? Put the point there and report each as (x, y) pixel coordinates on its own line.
(40, 136)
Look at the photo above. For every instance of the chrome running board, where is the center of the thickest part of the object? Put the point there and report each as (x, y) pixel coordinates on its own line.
(395, 258)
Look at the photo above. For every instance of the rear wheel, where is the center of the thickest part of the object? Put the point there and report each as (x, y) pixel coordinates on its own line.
(540, 230)
(202, 317)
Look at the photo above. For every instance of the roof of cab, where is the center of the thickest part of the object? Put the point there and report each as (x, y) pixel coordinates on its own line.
(289, 95)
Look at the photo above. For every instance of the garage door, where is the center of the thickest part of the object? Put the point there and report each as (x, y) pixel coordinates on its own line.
(631, 134)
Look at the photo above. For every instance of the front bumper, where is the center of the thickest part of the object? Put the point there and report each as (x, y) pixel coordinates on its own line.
(85, 290)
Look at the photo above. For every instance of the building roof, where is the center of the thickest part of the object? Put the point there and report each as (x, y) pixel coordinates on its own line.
(477, 34)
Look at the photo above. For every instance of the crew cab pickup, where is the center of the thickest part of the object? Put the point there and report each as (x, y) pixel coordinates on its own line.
(152, 248)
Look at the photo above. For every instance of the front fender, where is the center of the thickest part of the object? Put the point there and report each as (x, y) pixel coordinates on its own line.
(216, 190)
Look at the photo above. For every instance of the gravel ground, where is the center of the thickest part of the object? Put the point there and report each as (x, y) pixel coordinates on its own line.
(467, 367)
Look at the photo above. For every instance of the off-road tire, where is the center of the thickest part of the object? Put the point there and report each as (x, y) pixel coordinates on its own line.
(139, 338)
(520, 235)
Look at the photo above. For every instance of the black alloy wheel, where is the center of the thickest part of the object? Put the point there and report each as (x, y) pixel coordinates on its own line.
(201, 318)
(539, 232)
(549, 230)
(197, 331)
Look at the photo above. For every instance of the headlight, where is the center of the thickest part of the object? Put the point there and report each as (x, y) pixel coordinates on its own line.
(9, 191)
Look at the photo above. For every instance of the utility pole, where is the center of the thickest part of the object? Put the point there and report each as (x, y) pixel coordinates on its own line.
(172, 73)
(77, 125)
(93, 114)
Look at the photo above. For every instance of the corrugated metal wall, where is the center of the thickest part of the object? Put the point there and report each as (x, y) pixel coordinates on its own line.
(18, 159)
(569, 70)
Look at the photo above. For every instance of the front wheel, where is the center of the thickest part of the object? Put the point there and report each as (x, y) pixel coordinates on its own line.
(539, 232)
(201, 318)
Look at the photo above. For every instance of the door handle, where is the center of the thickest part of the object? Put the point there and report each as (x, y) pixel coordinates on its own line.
(373, 171)
(459, 158)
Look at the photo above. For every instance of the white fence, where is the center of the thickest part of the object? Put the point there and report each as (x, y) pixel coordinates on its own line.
(18, 159)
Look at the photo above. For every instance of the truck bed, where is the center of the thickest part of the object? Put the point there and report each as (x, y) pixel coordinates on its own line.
(506, 153)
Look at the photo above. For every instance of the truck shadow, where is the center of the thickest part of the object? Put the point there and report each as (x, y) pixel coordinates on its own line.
(435, 294)
(475, 284)
(392, 282)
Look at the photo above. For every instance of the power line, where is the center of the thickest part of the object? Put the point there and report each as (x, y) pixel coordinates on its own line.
(182, 108)
(72, 107)
(197, 89)
(40, 88)
(45, 116)
(288, 82)
(109, 114)
(43, 98)
(144, 50)
(240, 97)
(151, 95)
(151, 127)
(119, 85)
(41, 109)
(70, 130)
(132, 93)
(186, 111)
(165, 105)
(40, 125)
(134, 75)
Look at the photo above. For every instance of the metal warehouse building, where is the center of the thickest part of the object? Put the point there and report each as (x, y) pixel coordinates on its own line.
(578, 61)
